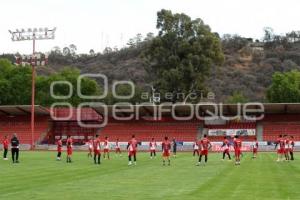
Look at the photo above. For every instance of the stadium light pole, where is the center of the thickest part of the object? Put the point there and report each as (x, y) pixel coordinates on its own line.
(33, 35)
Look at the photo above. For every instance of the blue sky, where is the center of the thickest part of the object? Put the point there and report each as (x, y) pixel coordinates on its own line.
(92, 24)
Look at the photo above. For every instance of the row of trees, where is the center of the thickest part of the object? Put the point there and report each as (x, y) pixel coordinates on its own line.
(15, 87)
(272, 40)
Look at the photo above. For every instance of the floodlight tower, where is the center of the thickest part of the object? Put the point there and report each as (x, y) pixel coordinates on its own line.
(32, 34)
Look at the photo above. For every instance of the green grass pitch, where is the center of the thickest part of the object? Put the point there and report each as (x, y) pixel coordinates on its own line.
(39, 176)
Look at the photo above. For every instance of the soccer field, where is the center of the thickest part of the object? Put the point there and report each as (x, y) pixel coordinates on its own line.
(39, 176)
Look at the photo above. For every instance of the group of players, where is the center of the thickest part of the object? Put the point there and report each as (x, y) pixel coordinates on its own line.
(201, 148)
(94, 146)
(284, 145)
(285, 148)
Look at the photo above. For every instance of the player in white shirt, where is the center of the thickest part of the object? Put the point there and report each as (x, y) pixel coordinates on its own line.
(196, 148)
(118, 148)
(106, 148)
(90, 146)
(152, 146)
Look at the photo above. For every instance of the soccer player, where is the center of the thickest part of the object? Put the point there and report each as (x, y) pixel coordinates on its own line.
(152, 146)
(5, 147)
(174, 143)
(225, 147)
(90, 146)
(118, 148)
(254, 148)
(196, 148)
(14, 142)
(96, 147)
(280, 143)
(69, 149)
(132, 147)
(291, 150)
(237, 149)
(286, 147)
(166, 149)
(106, 148)
(205, 145)
(59, 149)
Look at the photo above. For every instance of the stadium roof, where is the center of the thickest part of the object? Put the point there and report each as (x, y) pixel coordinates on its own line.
(148, 109)
(182, 110)
(22, 110)
(279, 108)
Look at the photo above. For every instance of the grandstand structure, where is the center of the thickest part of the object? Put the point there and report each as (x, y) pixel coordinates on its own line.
(60, 122)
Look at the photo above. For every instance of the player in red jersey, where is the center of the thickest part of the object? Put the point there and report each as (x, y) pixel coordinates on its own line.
(5, 143)
(166, 150)
(90, 146)
(205, 145)
(237, 149)
(106, 148)
(226, 146)
(132, 148)
(118, 148)
(59, 149)
(280, 143)
(152, 146)
(69, 149)
(254, 146)
(286, 147)
(196, 148)
(96, 147)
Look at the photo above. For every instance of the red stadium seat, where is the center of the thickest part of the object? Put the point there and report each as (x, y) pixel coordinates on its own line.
(145, 130)
(21, 125)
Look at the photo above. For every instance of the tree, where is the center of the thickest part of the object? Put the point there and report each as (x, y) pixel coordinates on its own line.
(115, 49)
(237, 97)
(66, 51)
(56, 50)
(285, 87)
(5, 85)
(89, 87)
(15, 86)
(131, 43)
(269, 34)
(73, 49)
(149, 36)
(233, 43)
(92, 52)
(138, 39)
(107, 50)
(181, 55)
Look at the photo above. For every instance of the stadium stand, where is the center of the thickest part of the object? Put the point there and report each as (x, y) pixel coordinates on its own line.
(145, 130)
(276, 124)
(16, 119)
(278, 119)
(65, 123)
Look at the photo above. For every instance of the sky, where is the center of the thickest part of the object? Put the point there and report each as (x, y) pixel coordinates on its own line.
(95, 24)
